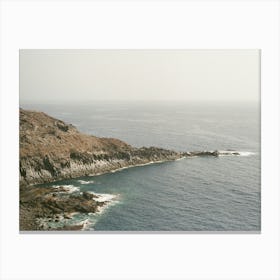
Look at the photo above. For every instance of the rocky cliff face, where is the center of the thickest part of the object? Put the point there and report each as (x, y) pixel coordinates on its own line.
(52, 150)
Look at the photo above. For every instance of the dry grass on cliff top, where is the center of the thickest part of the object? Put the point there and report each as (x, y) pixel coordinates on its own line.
(42, 135)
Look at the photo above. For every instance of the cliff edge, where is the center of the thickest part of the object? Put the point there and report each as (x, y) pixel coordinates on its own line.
(52, 150)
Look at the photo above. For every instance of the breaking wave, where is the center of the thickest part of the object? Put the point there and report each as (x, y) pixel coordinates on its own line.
(235, 153)
(83, 182)
(67, 188)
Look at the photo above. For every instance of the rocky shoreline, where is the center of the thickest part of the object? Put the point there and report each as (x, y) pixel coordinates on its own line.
(41, 205)
(51, 150)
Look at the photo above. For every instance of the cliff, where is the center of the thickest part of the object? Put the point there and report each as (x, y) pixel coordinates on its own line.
(52, 150)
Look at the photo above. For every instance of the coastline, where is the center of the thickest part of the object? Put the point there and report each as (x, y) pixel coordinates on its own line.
(30, 219)
(51, 150)
(137, 165)
(90, 197)
(57, 207)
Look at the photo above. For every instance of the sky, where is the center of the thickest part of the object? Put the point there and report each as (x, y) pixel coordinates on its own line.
(180, 75)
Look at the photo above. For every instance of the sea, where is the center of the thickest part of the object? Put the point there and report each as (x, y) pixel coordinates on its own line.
(200, 194)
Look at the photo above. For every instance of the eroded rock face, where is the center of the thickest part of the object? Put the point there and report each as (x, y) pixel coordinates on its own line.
(52, 150)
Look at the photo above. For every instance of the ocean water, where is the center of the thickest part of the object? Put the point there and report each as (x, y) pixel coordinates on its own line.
(194, 194)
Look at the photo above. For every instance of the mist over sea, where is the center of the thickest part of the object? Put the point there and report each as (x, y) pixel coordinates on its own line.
(194, 194)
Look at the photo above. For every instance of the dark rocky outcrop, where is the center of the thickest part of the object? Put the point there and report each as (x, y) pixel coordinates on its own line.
(52, 203)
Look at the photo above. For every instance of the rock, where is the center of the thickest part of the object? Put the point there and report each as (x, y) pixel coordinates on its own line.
(39, 203)
(88, 195)
(216, 153)
(62, 126)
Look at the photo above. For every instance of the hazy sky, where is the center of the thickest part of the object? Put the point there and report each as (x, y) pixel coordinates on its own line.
(193, 75)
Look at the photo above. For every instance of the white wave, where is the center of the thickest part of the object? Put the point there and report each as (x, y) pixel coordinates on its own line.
(235, 153)
(129, 166)
(119, 169)
(245, 154)
(180, 158)
(104, 197)
(109, 199)
(85, 182)
(67, 188)
(92, 218)
(102, 208)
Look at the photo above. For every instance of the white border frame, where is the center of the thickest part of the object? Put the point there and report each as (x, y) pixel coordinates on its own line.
(157, 24)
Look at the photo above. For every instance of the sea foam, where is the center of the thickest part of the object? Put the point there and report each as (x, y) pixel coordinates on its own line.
(67, 188)
(104, 197)
(235, 153)
(83, 182)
